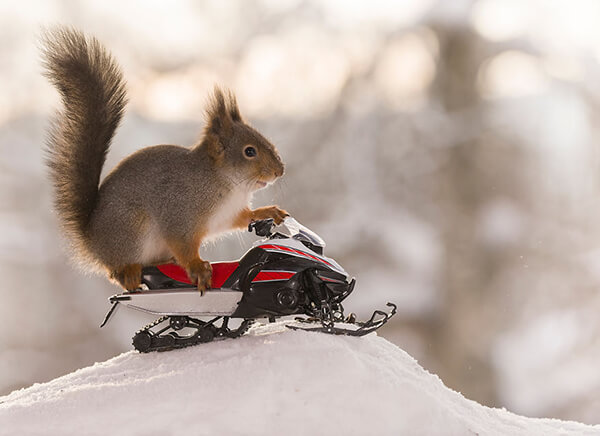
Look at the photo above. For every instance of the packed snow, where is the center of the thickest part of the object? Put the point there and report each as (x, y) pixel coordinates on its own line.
(272, 381)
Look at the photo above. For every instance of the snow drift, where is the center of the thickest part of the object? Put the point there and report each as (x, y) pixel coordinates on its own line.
(271, 382)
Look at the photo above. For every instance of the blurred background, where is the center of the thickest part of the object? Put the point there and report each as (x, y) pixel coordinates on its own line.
(446, 151)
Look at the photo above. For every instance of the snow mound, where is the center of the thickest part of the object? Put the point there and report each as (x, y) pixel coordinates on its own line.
(271, 382)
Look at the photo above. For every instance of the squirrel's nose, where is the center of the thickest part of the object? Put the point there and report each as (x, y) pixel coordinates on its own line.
(279, 171)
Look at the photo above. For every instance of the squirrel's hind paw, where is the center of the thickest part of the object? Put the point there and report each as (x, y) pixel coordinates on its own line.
(200, 271)
(128, 276)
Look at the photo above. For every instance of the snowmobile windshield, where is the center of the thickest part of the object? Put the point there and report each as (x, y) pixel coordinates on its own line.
(293, 229)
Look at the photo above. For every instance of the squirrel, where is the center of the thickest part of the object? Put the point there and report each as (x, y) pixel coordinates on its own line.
(159, 203)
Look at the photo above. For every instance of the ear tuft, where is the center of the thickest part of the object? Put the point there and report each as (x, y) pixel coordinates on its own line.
(232, 107)
(222, 111)
(218, 118)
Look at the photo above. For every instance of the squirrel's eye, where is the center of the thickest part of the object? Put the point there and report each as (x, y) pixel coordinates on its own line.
(250, 151)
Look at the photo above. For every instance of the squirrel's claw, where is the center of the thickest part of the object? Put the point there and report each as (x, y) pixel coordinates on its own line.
(204, 285)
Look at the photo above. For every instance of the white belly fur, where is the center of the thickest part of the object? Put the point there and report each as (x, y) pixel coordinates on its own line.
(227, 211)
(154, 247)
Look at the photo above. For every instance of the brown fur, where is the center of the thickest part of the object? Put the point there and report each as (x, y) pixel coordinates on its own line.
(93, 95)
(162, 201)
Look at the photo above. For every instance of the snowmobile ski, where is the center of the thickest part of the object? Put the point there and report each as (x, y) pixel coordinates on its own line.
(363, 328)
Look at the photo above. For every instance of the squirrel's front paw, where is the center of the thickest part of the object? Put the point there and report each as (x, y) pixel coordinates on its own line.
(200, 271)
(274, 212)
(279, 215)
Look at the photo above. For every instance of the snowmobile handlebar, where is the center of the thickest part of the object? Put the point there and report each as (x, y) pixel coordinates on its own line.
(262, 227)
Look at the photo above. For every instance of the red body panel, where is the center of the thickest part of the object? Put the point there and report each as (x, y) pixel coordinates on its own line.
(273, 247)
(265, 276)
(221, 272)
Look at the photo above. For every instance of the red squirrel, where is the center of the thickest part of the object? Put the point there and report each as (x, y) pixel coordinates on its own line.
(160, 202)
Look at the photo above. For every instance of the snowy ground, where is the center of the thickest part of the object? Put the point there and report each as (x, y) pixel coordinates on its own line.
(271, 382)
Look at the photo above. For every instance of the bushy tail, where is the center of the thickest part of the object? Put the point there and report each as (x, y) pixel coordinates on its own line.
(93, 94)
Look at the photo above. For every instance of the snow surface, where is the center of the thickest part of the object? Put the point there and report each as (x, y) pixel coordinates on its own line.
(273, 381)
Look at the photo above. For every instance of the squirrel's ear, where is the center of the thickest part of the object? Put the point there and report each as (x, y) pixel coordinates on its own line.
(218, 118)
(219, 124)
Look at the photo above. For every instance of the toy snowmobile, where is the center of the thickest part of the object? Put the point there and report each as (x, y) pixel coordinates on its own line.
(284, 274)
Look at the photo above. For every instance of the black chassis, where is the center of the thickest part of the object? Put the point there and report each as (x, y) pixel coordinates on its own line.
(311, 287)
